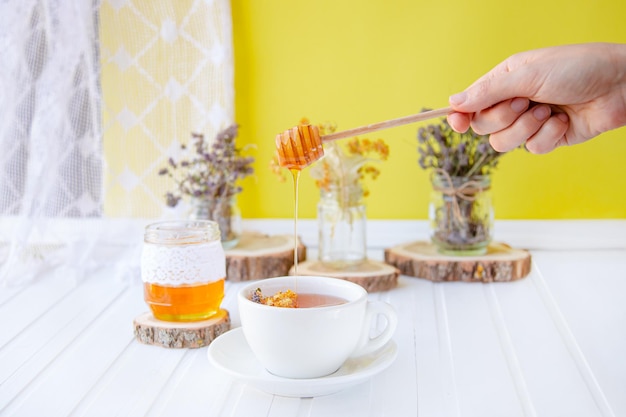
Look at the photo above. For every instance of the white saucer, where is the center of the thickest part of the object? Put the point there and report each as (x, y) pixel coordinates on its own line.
(230, 353)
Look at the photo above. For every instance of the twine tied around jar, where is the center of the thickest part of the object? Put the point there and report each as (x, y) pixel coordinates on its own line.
(466, 191)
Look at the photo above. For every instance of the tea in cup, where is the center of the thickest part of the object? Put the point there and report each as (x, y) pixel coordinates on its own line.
(331, 323)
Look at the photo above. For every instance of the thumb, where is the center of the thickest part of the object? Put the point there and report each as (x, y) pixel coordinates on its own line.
(498, 85)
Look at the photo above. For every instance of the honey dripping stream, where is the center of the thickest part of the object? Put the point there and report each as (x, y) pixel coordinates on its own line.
(295, 173)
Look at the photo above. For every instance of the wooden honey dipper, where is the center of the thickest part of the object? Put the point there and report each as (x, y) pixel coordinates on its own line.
(301, 145)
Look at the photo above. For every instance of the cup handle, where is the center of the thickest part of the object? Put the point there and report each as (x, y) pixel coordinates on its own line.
(369, 344)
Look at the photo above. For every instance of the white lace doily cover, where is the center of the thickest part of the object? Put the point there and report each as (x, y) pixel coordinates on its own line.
(183, 264)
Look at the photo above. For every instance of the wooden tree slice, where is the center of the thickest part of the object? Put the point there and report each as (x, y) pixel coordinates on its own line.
(371, 275)
(151, 331)
(258, 255)
(421, 259)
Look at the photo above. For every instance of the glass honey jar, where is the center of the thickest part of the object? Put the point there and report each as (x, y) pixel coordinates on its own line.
(183, 267)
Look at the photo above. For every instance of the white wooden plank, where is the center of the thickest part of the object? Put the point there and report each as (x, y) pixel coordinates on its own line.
(386, 396)
(23, 358)
(29, 305)
(229, 402)
(390, 397)
(509, 351)
(78, 301)
(352, 401)
(251, 402)
(194, 388)
(436, 394)
(552, 378)
(584, 292)
(61, 385)
(131, 384)
(283, 406)
(481, 373)
(8, 292)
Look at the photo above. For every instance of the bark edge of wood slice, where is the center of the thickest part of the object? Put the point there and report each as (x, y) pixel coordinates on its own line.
(372, 275)
(194, 334)
(258, 255)
(420, 259)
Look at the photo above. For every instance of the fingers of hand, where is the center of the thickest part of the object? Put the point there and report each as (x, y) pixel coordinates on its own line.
(460, 122)
(550, 135)
(511, 124)
(500, 116)
(526, 125)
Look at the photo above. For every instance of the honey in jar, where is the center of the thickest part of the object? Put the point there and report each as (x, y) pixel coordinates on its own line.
(183, 267)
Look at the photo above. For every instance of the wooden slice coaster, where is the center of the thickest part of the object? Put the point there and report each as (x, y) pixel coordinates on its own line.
(258, 255)
(371, 275)
(151, 331)
(421, 259)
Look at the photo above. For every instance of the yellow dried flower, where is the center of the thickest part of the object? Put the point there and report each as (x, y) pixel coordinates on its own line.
(285, 299)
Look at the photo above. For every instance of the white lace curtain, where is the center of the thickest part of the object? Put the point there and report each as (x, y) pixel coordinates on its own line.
(94, 97)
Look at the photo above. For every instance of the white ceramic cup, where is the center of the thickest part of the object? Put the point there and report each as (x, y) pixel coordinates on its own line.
(314, 341)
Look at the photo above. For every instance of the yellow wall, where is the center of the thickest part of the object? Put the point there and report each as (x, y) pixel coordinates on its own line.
(356, 62)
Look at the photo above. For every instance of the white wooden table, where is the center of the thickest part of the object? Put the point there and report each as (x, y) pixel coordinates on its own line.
(552, 344)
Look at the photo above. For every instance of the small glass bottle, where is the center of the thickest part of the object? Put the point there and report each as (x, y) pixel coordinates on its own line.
(461, 214)
(341, 226)
(183, 267)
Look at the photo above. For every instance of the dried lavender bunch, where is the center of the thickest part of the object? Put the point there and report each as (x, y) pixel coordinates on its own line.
(257, 296)
(460, 213)
(212, 171)
(459, 154)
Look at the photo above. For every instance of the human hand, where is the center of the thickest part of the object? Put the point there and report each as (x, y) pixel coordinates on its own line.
(546, 98)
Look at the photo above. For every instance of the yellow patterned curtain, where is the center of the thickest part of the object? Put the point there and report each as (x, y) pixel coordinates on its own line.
(167, 71)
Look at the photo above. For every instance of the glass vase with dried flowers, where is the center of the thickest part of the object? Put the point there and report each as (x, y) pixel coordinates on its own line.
(208, 176)
(460, 210)
(340, 175)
